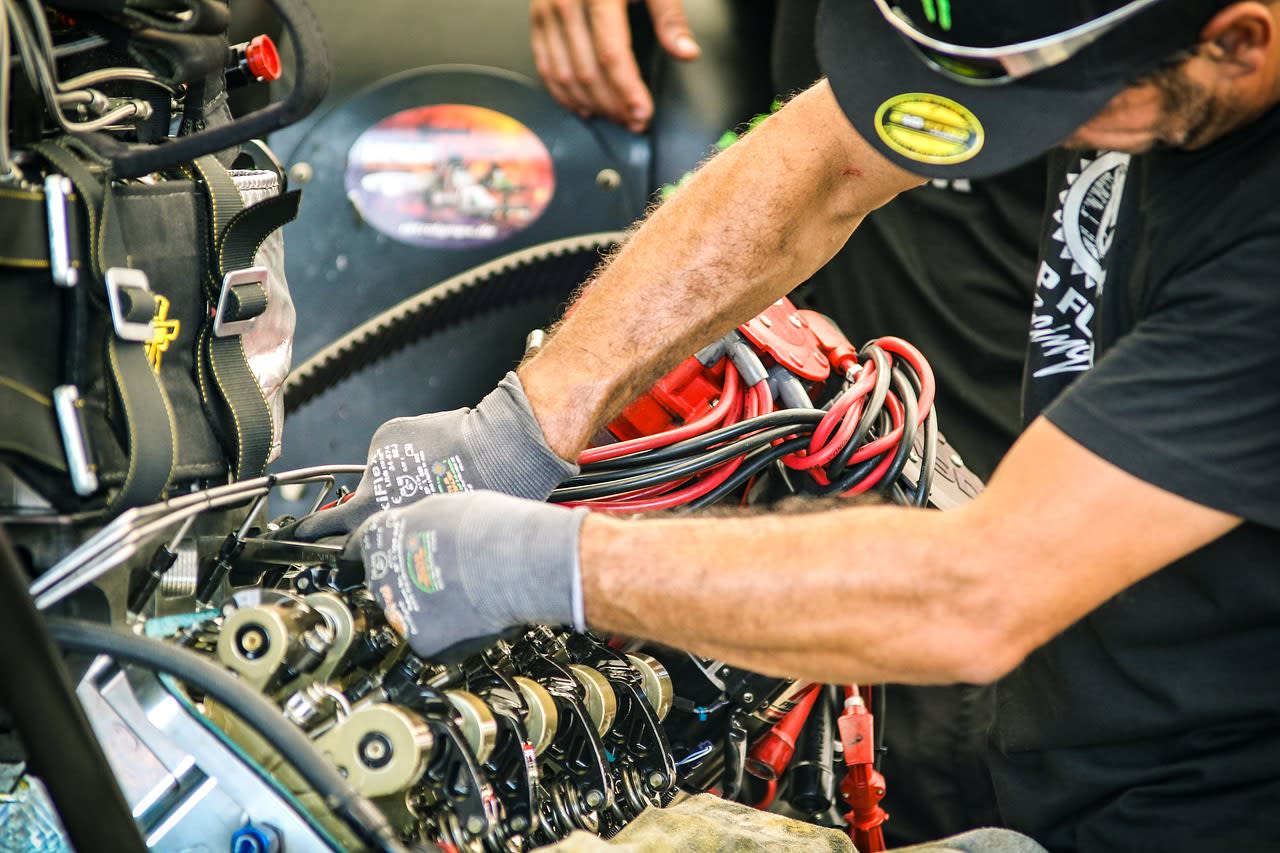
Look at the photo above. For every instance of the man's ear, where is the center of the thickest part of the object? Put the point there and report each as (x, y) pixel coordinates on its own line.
(1240, 38)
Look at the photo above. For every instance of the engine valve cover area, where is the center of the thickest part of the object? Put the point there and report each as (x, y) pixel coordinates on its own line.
(510, 750)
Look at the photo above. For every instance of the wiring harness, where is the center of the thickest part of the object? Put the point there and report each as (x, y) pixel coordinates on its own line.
(785, 393)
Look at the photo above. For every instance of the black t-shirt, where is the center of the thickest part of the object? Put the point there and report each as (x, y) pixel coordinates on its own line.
(1154, 722)
(949, 267)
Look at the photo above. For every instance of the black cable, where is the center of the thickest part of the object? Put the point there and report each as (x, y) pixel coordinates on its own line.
(60, 746)
(874, 407)
(853, 476)
(723, 452)
(666, 474)
(264, 718)
(910, 412)
(920, 497)
(750, 466)
(782, 417)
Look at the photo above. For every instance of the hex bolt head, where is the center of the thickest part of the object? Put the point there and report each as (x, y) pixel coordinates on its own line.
(301, 173)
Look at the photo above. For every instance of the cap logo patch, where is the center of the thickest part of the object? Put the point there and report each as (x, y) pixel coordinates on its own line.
(929, 128)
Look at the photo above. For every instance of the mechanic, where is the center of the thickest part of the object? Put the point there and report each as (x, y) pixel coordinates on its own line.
(1116, 575)
(964, 303)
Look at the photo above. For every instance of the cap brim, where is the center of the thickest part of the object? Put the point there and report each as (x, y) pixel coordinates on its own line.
(930, 124)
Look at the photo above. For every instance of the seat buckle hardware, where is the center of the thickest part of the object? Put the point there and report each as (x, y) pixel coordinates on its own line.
(124, 284)
(223, 326)
(66, 406)
(57, 189)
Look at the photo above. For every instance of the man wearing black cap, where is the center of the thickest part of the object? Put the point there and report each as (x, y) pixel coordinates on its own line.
(1117, 574)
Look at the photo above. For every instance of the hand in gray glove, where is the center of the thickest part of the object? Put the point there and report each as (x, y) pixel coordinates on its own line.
(498, 445)
(455, 572)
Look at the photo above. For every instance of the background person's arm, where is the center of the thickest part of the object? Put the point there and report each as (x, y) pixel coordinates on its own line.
(871, 594)
(756, 220)
(582, 50)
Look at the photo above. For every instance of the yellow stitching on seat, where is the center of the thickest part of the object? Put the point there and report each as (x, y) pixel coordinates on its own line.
(26, 391)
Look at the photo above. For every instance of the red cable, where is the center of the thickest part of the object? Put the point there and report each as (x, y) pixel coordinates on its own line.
(705, 484)
(895, 410)
(832, 433)
(705, 423)
(770, 793)
(836, 415)
(764, 402)
(921, 366)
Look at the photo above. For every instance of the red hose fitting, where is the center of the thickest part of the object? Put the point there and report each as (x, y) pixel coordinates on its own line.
(772, 753)
(253, 61)
(863, 786)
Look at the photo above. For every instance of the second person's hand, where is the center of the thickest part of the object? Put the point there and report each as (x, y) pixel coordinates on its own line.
(582, 50)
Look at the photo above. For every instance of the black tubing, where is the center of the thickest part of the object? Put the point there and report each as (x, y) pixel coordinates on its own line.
(835, 470)
(705, 460)
(751, 466)
(798, 418)
(812, 778)
(59, 743)
(311, 83)
(259, 714)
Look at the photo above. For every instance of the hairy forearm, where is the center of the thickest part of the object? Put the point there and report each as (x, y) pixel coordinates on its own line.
(754, 222)
(860, 594)
(888, 593)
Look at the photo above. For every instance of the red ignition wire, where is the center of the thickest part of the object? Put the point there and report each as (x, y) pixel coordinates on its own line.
(890, 440)
(709, 481)
(728, 400)
(886, 442)
(846, 410)
(836, 414)
(764, 400)
(770, 793)
(920, 365)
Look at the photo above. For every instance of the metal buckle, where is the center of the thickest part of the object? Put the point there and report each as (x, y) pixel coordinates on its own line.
(120, 279)
(56, 190)
(249, 275)
(84, 480)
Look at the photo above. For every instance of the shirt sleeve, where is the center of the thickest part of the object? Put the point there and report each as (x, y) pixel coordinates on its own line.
(1189, 399)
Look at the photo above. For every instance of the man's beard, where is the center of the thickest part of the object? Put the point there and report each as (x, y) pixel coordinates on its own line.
(1192, 110)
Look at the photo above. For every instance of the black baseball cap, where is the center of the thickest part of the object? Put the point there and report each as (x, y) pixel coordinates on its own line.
(972, 88)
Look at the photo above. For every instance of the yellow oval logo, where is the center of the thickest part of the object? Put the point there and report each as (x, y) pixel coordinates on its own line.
(929, 128)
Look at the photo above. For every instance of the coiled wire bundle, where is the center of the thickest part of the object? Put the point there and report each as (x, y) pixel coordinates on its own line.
(858, 439)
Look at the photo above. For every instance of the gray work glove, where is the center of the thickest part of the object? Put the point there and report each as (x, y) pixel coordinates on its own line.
(498, 445)
(455, 572)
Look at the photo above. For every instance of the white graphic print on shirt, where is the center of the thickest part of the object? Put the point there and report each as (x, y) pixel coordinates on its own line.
(1068, 285)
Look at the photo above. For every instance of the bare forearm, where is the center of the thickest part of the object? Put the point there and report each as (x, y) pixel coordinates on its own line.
(863, 594)
(755, 221)
(893, 594)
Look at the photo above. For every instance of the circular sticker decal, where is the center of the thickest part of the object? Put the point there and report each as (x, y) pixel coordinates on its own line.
(929, 128)
(449, 176)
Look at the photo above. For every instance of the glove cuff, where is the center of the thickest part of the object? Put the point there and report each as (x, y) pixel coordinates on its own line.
(506, 440)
